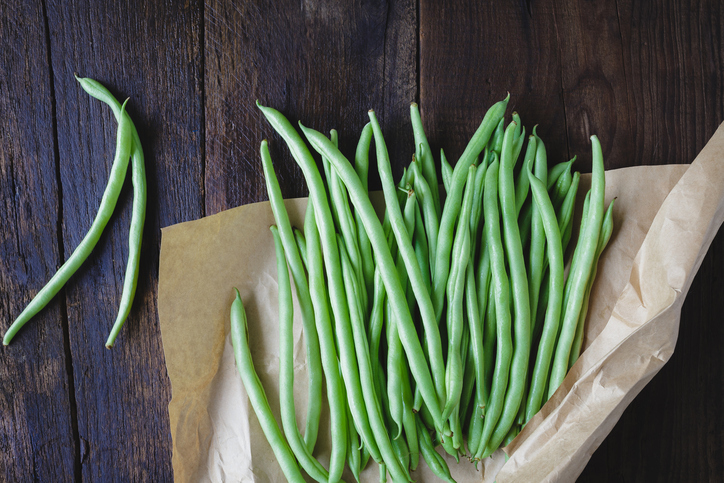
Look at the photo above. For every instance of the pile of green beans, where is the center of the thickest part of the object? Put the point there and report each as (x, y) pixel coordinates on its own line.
(128, 147)
(443, 324)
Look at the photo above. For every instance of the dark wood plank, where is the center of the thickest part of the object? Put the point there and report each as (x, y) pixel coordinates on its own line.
(36, 427)
(472, 54)
(150, 52)
(672, 431)
(593, 79)
(324, 63)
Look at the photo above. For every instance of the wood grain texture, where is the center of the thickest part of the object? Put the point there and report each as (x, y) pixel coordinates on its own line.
(321, 62)
(149, 52)
(672, 431)
(593, 79)
(472, 54)
(36, 427)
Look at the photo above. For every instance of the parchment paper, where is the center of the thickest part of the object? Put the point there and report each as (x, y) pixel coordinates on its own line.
(665, 218)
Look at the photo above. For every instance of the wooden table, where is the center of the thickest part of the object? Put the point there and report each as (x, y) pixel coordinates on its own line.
(648, 79)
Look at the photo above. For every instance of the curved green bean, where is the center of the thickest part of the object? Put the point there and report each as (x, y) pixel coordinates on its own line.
(255, 391)
(555, 297)
(606, 231)
(311, 337)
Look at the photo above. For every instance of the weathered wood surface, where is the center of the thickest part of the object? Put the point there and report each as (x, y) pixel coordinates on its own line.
(647, 78)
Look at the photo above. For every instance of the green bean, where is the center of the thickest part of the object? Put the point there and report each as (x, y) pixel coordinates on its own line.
(556, 283)
(606, 231)
(255, 391)
(496, 141)
(489, 337)
(286, 368)
(500, 287)
(521, 186)
(361, 348)
(536, 258)
(301, 245)
(579, 248)
(453, 201)
(353, 449)
(521, 299)
(580, 276)
(124, 141)
(433, 459)
(476, 332)
(430, 217)
(514, 431)
(135, 233)
(422, 250)
(311, 337)
(336, 395)
(424, 155)
(399, 446)
(556, 171)
(447, 172)
(475, 427)
(331, 252)
(561, 188)
(361, 166)
(408, 421)
(565, 213)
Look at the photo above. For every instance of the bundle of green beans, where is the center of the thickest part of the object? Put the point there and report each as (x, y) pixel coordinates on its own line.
(444, 324)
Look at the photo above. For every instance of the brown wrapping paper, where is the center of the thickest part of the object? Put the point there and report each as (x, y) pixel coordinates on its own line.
(665, 218)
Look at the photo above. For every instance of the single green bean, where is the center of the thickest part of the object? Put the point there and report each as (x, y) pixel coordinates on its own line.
(556, 284)
(432, 458)
(536, 258)
(124, 141)
(301, 245)
(496, 141)
(286, 368)
(447, 172)
(579, 277)
(521, 186)
(255, 391)
(606, 231)
(311, 337)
